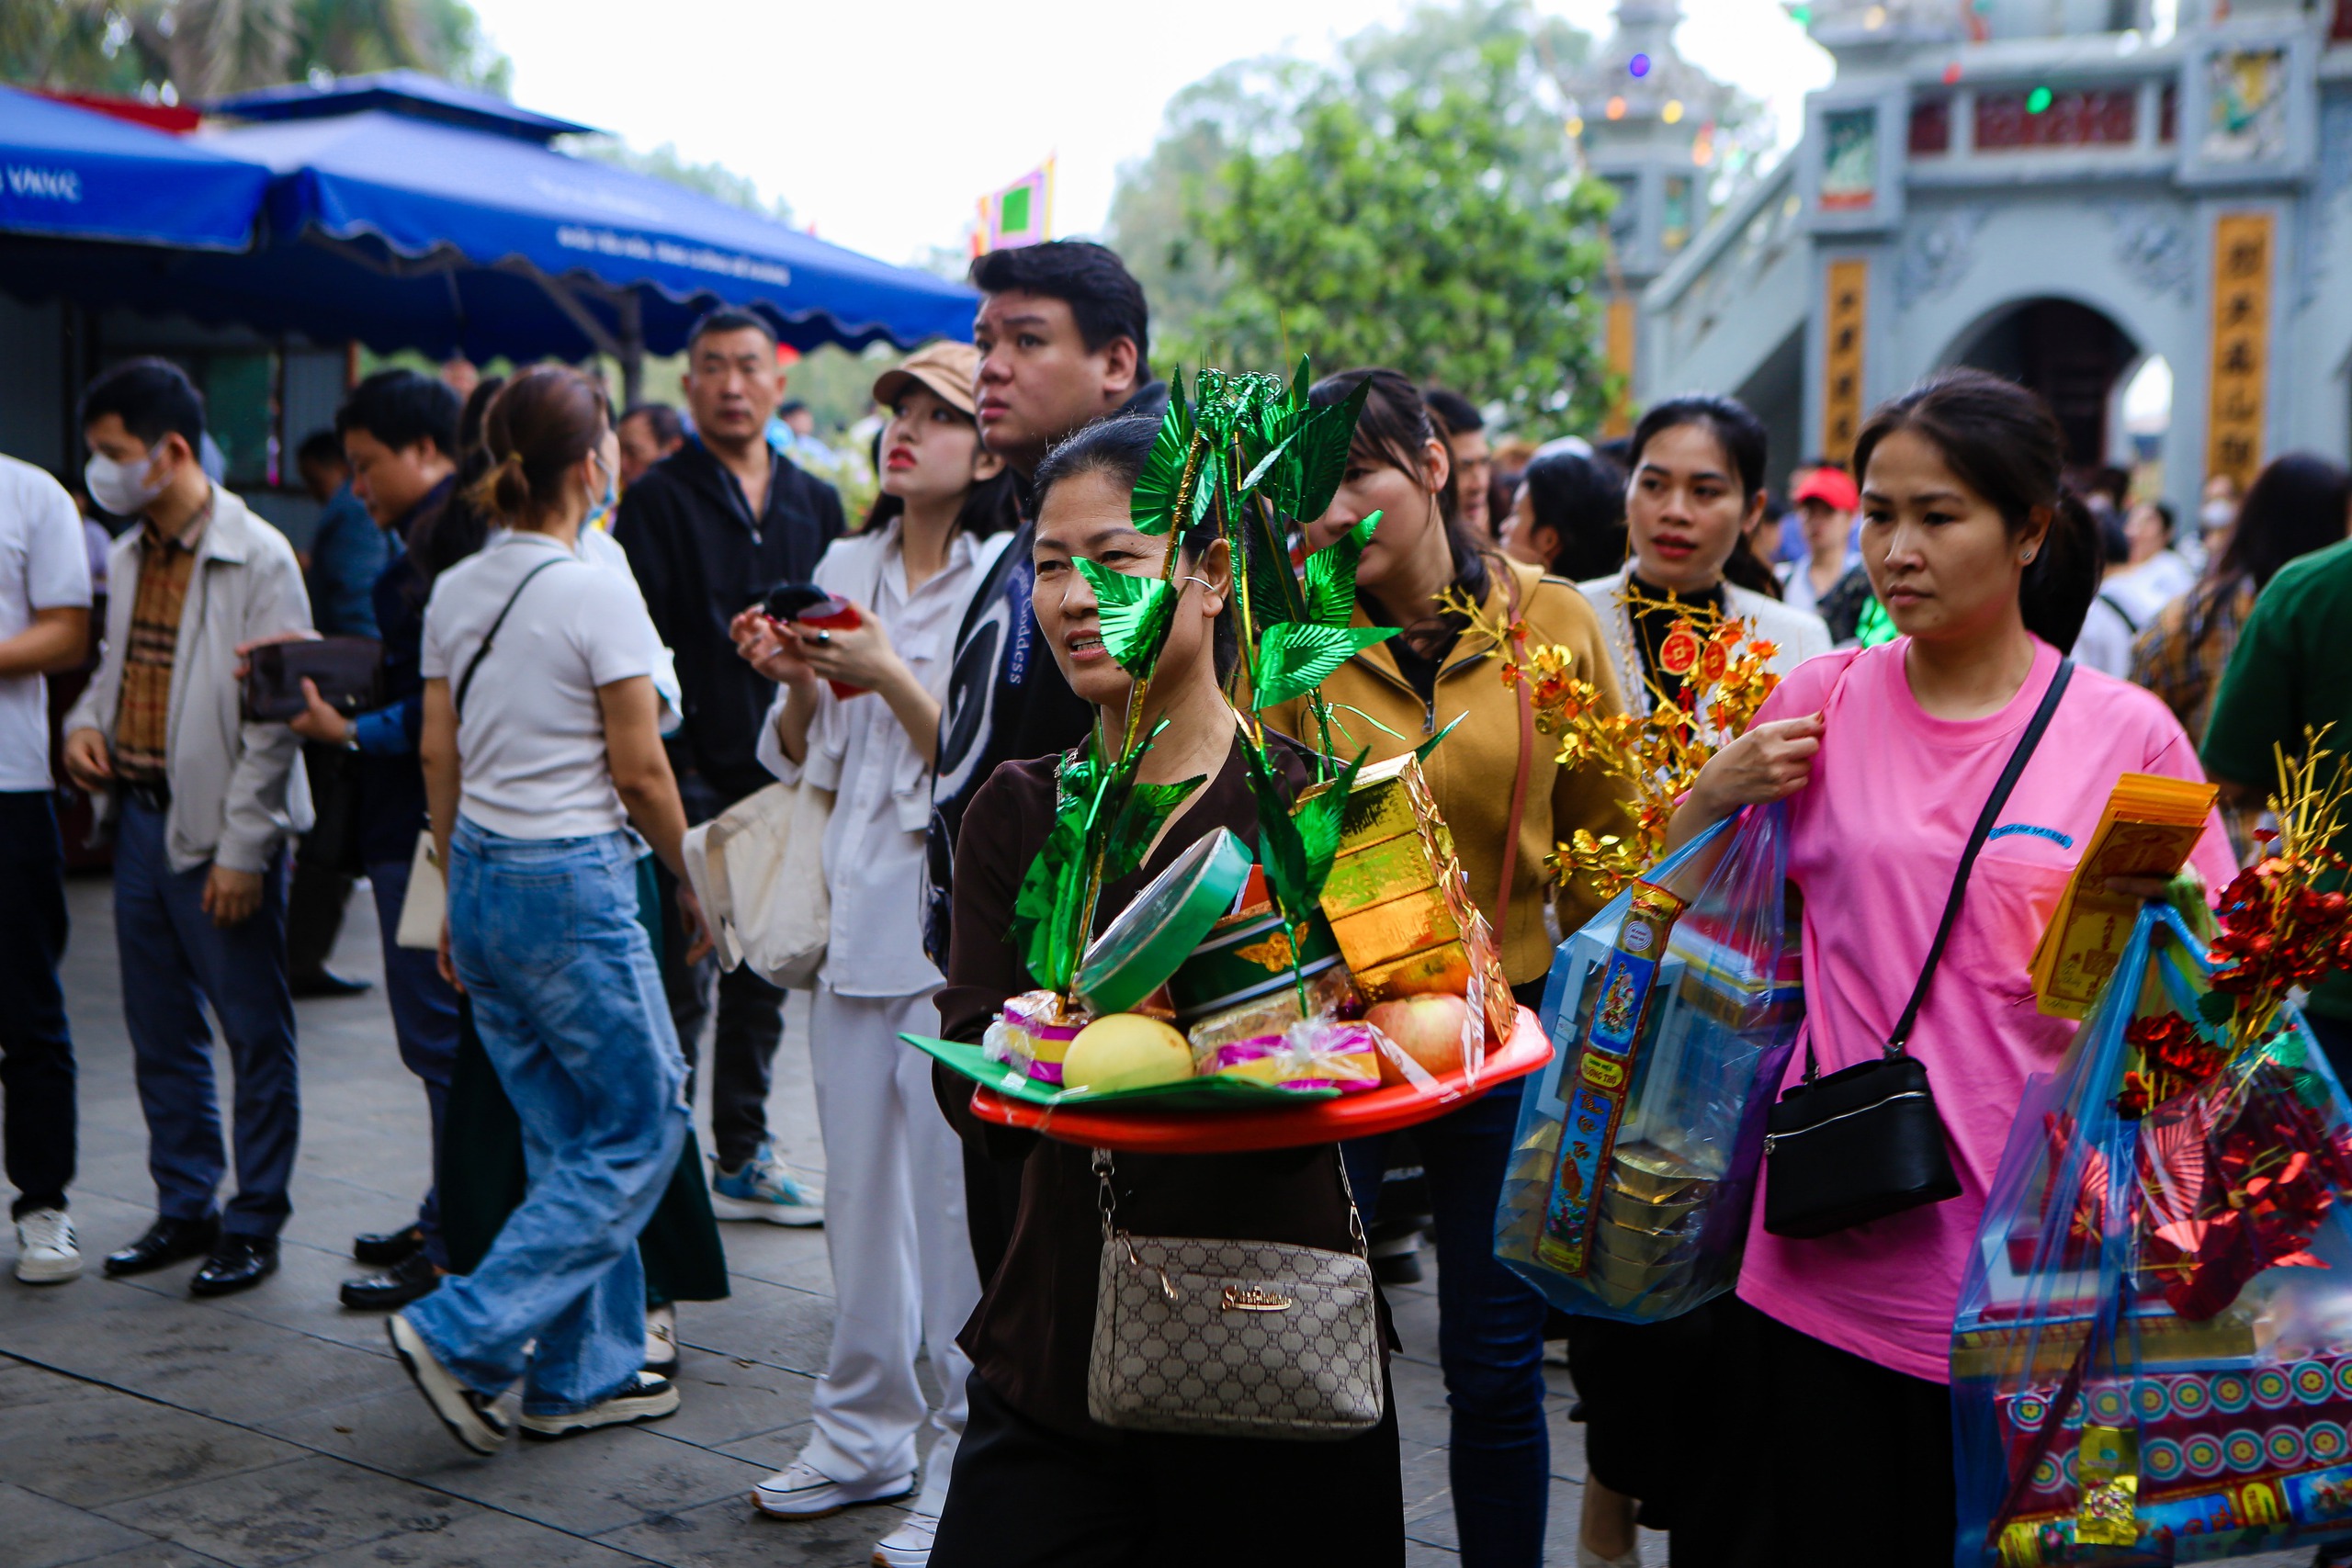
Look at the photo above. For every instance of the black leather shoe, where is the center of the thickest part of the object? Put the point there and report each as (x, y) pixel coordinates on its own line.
(384, 1248)
(404, 1282)
(166, 1242)
(238, 1263)
(310, 988)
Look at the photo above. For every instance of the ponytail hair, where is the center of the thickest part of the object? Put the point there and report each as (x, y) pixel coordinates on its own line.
(541, 422)
(2002, 442)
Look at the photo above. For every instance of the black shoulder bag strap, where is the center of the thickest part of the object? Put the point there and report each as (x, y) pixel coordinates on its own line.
(1983, 831)
(465, 680)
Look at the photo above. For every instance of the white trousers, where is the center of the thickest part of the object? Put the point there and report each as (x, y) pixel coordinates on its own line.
(903, 1276)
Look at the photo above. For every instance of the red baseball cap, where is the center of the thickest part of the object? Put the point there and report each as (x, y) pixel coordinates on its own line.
(1832, 487)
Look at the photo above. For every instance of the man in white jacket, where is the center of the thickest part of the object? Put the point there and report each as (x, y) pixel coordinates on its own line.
(204, 806)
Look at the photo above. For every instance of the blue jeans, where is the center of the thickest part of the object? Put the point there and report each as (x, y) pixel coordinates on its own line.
(174, 961)
(568, 1004)
(425, 1022)
(1489, 1331)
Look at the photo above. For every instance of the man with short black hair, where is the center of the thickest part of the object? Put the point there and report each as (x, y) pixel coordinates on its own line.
(647, 433)
(205, 801)
(401, 429)
(711, 527)
(1063, 331)
(1464, 430)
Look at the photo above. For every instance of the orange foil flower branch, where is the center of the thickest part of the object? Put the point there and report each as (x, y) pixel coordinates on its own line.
(1724, 677)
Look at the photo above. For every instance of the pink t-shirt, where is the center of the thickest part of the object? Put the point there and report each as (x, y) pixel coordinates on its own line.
(1876, 837)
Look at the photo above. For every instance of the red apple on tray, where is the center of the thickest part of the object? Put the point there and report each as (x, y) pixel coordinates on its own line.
(1428, 1029)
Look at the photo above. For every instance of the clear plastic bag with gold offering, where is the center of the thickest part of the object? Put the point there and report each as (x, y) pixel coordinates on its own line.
(1672, 1013)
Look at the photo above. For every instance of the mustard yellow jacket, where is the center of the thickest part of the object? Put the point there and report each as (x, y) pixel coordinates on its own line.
(1473, 772)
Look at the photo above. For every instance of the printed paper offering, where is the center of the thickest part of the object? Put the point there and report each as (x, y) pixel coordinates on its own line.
(2149, 827)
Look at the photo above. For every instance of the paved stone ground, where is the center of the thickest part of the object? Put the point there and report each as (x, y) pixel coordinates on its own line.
(140, 1428)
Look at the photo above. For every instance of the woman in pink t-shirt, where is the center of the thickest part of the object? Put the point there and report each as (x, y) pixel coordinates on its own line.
(1838, 1437)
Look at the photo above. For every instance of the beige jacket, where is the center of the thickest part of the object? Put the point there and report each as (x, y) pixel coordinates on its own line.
(238, 789)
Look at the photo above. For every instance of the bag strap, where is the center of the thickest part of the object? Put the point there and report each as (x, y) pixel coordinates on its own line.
(1977, 835)
(1526, 762)
(1107, 1202)
(465, 680)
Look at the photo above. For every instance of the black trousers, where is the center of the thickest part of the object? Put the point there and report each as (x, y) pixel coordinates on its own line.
(36, 1051)
(751, 1013)
(1027, 1496)
(1814, 1457)
(325, 863)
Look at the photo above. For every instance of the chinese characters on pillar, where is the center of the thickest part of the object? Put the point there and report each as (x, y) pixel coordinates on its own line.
(1841, 409)
(1618, 350)
(2241, 260)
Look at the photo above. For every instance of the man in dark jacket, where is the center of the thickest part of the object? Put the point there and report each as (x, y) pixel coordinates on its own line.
(708, 529)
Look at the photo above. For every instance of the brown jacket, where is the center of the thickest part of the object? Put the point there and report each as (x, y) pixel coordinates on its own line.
(1473, 773)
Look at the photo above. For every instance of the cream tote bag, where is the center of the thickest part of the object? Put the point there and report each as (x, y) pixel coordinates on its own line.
(758, 870)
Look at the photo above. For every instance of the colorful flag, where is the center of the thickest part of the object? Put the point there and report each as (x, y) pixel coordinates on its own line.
(1020, 214)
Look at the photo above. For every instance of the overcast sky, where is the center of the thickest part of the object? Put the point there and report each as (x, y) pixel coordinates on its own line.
(882, 123)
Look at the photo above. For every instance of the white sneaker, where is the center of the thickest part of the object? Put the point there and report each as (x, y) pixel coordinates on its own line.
(801, 1491)
(1587, 1558)
(648, 1399)
(763, 1188)
(46, 1254)
(662, 1340)
(909, 1546)
(472, 1419)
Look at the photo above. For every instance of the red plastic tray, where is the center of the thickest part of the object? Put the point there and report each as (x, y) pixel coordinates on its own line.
(1236, 1132)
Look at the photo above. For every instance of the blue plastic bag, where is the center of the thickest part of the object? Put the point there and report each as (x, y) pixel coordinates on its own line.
(1633, 1166)
(2151, 1361)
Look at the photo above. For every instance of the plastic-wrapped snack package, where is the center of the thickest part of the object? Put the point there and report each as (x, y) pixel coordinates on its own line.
(2153, 1358)
(1672, 1013)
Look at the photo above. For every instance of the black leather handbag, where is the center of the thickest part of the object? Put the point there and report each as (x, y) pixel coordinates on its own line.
(1866, 1142)
(347, 671)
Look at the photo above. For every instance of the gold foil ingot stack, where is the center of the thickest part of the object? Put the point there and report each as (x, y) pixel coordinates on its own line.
(1396, 898)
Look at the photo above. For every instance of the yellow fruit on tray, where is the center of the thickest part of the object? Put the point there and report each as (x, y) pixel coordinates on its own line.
(1125, 1050)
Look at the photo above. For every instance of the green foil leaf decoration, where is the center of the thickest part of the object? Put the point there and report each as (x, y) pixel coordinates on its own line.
(1296, 848)
(1294, 659)
(1097, 811)
(1163, 470)
(1135, 613)
(1317, 459)
(1332, 575)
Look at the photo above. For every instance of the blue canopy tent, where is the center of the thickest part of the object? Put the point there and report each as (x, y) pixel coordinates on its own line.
(408, 213)
(71, 174)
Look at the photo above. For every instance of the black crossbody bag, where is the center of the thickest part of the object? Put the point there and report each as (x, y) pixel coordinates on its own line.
(1866, 1142)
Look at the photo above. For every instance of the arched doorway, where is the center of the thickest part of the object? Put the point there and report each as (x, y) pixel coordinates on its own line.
(2072, 354)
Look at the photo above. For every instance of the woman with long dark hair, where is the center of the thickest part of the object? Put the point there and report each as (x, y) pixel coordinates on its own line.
(1694, 498)
(533, 778)
(1039, 1483)
(1887, 757)
(901, 1258)
(1508, 801)
(2299, 504)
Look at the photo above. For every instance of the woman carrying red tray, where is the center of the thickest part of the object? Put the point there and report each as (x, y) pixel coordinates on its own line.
(1037, 1481)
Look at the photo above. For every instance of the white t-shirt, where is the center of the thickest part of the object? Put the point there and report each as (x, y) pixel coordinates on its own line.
(43, 567)
(531, 732)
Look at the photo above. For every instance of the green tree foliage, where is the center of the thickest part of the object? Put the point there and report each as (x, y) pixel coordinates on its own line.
(1414, 204)
(193, 50)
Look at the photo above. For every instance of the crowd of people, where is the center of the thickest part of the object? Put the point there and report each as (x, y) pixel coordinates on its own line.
(580, 662)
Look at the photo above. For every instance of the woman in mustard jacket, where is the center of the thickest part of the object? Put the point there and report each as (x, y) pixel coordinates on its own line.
(1490, 1333)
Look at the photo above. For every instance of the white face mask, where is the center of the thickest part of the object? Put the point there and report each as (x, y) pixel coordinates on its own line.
(122, 489)
(2218, 514)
